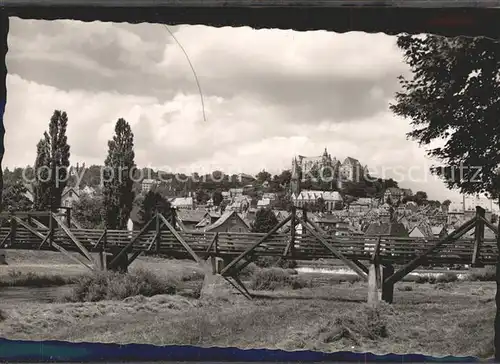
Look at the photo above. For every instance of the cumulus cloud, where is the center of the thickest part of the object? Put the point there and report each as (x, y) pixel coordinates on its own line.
(268, 95)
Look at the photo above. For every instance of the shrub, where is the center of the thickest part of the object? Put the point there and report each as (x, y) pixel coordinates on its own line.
(279, 262)
(193, 276)
(117, 286)
(405, 288)
(275, 278)
(486, 274)
(248, 271)
(19, 279)
(447, 277)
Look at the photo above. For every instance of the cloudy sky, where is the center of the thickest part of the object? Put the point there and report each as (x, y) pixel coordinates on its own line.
(268, 95)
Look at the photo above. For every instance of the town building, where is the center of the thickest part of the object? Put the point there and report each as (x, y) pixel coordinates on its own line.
(69, 196)
(230, 221)
(395, 194)
(332, 199)
(191, 218)
(183, 203)
(352, 170)
(148, 184)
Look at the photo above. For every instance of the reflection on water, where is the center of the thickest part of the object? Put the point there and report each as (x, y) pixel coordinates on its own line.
(15, 295)
(349, 271)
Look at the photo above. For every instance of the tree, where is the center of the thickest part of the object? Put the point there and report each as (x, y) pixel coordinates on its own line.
(264, 176)
(52, 163)
(89, 211)
(118, 195)
(15, 199)
(154, 203)
(420, 197)
(321, 204)
(454, 96)
(265, 221)
(217, 198)
(202, 197)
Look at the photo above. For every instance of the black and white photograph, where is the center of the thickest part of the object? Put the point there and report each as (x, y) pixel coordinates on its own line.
(250, 188)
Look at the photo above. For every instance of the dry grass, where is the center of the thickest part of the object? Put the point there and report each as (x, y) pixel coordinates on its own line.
(447, 317)
(325, 318)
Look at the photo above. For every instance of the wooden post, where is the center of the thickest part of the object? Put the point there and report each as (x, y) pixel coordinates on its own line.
(387, 287)
(216, 265)
(173, 218)
(13, 229)
(374, 284)
(102, 252)
(292, 231)
(478, 236)
(158, 234)
(51, 229)
(68, 217)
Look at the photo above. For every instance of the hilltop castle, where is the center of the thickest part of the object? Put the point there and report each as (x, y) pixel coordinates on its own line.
(350, 170)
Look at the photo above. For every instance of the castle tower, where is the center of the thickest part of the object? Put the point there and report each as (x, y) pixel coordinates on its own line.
(326, 159)
(295, 179)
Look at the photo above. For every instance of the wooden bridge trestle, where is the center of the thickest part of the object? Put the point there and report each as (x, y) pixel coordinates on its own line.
(382, 261)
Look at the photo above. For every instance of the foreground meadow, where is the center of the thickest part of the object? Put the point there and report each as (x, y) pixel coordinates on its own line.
(159, 303)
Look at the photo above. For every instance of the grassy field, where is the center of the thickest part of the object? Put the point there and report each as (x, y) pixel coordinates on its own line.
(437, 319)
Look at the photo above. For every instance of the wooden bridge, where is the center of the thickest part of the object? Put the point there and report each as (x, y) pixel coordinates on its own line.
(373, 258)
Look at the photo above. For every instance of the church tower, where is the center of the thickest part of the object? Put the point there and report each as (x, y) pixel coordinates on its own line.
(295, 179)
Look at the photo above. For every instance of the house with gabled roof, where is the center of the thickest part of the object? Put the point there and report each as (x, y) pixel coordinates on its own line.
(386, 229)
(230, 221)
(421, 231)
(69, 196)
(191, 218)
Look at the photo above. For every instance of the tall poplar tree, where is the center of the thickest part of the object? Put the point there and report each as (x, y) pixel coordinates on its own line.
(52, 164)
(117, 176)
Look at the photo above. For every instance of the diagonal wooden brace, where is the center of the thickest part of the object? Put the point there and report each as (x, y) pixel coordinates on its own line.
(230, 266)
(416, 262)
(181, 240)
(339, 255)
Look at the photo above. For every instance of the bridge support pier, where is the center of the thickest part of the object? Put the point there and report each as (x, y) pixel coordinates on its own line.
(213, 281)
(378, 288)
(3, 259)
(387, 287)
(121, 265)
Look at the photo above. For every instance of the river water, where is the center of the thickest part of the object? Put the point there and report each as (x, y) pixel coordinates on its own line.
(17, 295)
(346, 271)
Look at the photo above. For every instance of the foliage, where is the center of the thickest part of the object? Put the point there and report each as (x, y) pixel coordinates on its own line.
(117, 286)
(89, 211)
(30, 279)
(217, 198)
(263, 176)
(52, 163)
(152, 204)
(265, 221)
(486, 274)
(202, 197)
(454, 96)
(269, 262)
(118, 196)
(14, 198)
(271, 279)
(13, 177)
